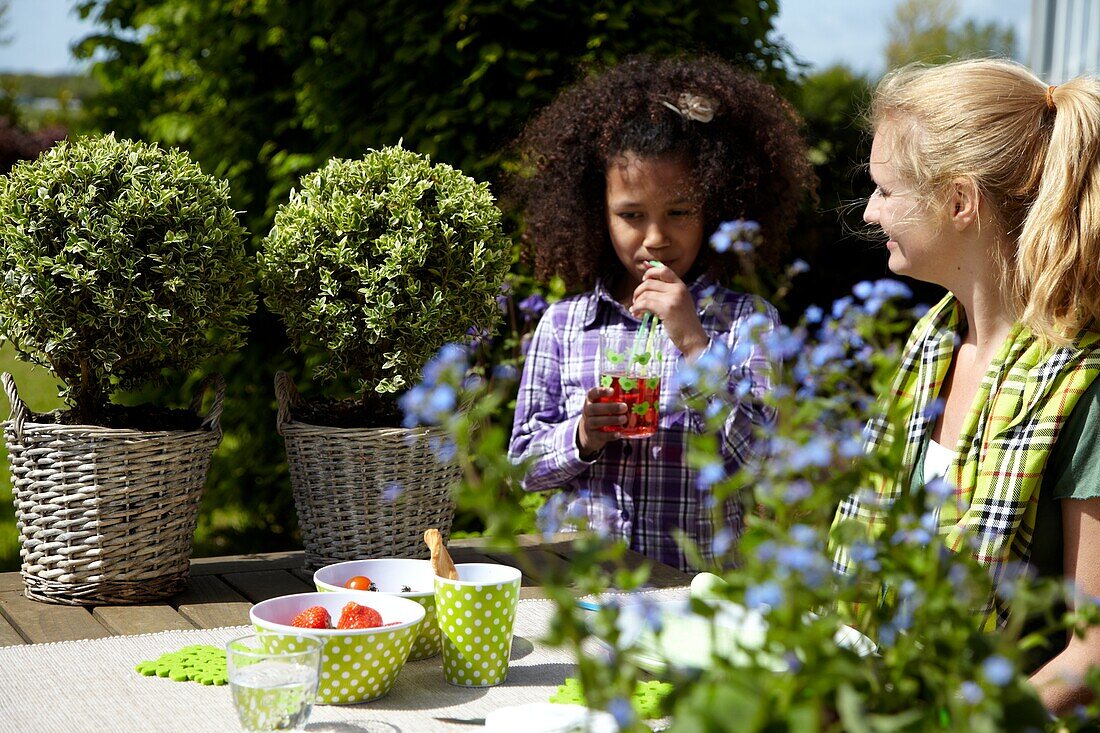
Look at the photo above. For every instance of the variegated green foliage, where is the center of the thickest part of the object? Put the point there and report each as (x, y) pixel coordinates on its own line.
(119, 260)
(378, 262)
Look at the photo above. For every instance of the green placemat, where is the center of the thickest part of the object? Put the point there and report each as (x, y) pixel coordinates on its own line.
(648, 698)
(197, 663)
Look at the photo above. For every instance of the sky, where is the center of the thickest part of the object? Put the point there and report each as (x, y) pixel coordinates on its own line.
(821, 32)
(853, 32)
(41, 32)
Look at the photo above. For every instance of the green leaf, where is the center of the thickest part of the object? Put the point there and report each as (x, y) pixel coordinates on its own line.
(850, 708)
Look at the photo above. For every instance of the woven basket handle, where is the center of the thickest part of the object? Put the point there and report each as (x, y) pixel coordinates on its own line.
(287, 396)
(18, 408)
(212, 421)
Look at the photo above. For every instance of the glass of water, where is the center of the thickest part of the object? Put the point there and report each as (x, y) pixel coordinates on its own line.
(273, 678)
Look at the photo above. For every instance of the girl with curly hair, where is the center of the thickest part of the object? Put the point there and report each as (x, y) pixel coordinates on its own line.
(622, 178)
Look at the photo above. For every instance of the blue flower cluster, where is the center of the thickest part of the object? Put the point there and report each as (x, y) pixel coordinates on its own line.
(827, 348)
(763, 597)
(435, 399)
(742, 236)
(917, 531)
(909, 598)
(565, 511)
(533, 306)
(998, 671)
(876, 294)
(803, 559)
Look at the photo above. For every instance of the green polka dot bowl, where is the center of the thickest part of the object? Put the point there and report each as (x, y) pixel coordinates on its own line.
(357, 665)
(476, 614)
(405, 578)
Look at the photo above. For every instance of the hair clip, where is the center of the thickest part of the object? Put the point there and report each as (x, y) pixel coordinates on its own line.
(693, 107)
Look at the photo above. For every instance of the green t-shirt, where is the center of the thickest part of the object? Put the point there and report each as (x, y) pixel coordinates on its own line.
(1072, 472)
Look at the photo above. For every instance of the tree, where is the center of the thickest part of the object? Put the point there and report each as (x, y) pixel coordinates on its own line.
(929, 31)
(261, 91)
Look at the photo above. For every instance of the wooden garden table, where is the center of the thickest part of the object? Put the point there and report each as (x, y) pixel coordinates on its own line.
(222, 589)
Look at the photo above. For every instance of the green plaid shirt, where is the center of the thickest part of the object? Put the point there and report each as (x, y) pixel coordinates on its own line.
(1015, 419)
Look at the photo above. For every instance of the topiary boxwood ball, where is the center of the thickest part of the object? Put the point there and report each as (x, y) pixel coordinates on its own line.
(374, 264)
(120, 260)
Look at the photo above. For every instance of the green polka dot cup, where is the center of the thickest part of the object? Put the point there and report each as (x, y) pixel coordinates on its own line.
(357, 665)
(476, 614)
(412, 579)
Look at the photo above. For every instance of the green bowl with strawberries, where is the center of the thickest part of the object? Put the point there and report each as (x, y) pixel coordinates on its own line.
(357, 664)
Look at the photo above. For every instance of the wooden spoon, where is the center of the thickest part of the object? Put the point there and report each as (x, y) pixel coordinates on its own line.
(442, 564)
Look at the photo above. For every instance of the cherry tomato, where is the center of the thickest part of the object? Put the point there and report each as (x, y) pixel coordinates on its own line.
(359, 582)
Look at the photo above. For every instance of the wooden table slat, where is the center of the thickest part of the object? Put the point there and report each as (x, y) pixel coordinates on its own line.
(9, 636)
(535, 563)
(660, 575)
(304, 575)
(469, 555)
(209, 603)
(264, 584)
(148, 619)
(41, 622)
(10, 582)
(247, 563)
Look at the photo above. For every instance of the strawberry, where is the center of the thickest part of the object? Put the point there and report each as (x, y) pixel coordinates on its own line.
(315, 617)
(355, 616)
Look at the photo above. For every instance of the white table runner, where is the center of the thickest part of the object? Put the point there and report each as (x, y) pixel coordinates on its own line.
(92, 686)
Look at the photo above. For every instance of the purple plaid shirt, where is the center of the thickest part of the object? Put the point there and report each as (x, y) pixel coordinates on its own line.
(642, 489)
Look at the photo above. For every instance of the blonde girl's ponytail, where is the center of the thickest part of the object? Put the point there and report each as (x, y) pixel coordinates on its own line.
(1058, 252)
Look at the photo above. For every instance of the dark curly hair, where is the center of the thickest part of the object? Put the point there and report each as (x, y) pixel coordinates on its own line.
(749, 161)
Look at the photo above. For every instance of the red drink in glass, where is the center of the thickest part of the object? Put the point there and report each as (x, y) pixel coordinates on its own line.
(641, 396)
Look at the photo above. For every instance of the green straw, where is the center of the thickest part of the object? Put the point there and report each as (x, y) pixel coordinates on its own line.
(640, 339)
(652, 333)
(643, 339)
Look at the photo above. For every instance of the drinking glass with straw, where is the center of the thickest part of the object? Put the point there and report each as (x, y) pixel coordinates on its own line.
(631, 367)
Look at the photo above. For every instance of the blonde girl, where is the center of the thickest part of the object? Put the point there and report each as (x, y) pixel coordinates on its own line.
(987, 182)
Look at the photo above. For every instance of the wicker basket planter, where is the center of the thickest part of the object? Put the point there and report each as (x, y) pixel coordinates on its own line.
(106, 515)
(342, 480)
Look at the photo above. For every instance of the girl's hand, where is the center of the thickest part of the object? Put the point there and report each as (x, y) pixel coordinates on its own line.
(666, 296)
(596, 415)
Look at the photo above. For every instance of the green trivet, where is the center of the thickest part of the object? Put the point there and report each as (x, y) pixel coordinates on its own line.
(648, 698)
(199, 663)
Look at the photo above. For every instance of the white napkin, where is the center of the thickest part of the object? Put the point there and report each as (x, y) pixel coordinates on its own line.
(546, 717)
